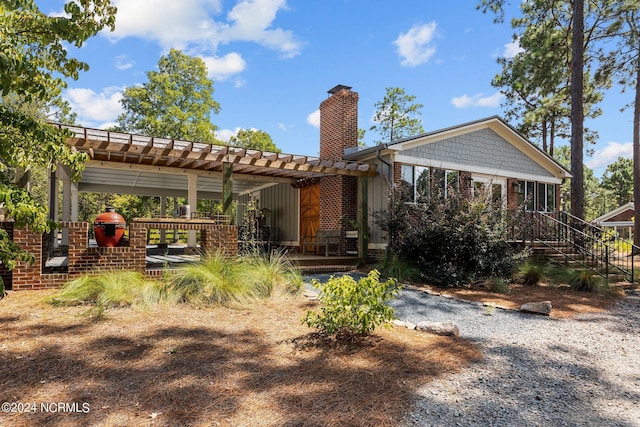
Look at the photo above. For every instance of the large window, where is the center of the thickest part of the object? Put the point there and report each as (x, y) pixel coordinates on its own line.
(416, 182)
(539, 196)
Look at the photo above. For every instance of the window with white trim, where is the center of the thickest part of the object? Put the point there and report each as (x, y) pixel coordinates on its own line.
(416, 182)
(537, 195)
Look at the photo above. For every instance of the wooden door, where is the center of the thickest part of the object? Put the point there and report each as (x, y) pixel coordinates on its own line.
(309, 212)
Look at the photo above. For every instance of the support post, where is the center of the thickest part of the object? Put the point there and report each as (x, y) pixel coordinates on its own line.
(363, 217)
(192, 200)
(227, 188)
(163, 213)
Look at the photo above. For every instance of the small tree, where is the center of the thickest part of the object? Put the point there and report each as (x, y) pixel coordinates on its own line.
(353, 309)
(396, 116)
(254, 139)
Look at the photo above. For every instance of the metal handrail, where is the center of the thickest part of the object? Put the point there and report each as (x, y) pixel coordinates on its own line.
(591, 243)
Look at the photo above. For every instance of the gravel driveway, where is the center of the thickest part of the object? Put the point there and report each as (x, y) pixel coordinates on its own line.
(536, 370)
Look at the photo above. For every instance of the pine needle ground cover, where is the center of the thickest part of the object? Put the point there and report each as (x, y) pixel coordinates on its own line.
(178, 364)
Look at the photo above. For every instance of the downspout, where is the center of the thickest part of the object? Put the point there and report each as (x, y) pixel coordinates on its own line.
(390, 173)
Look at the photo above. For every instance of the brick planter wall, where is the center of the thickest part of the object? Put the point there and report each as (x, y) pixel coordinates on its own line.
(83, 259)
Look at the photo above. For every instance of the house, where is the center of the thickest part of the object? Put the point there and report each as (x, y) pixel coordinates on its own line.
(620, 220)
(299, 195)
(486, 154)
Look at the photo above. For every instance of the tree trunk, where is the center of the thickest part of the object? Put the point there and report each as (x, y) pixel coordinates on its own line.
(544, 136)
(577, 110)
(636, 157)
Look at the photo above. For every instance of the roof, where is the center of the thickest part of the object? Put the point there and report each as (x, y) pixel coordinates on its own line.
(612, 214)
(495, 123)
(126, 160)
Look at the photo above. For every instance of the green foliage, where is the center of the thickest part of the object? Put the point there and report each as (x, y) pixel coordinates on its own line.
(585, 281)
(33, 64)
(531, 272)
(396, 116)
(255, 140)
(109, 289)
(351, 309)
(393, 266)
(618, 179)
(214, 280)
(451, 241)
(219, 279)
(2, 291)
(270, 274)
(176, 102)
(498, 285)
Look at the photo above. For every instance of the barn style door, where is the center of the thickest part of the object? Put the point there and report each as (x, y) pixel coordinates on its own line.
(309, 212)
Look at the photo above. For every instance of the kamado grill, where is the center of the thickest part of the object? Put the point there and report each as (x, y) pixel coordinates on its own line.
(109, 228)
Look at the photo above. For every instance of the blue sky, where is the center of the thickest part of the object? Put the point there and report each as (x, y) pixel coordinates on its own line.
(272, 62)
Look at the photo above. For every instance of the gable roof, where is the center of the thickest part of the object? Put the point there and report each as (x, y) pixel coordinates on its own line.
(614, 213)
(494, 123)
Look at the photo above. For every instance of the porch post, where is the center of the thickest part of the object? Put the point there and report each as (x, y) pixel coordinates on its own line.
(192, 200)
(65, 177)
(227, 188)
(163, 213)
(53, 205)
(363, 217)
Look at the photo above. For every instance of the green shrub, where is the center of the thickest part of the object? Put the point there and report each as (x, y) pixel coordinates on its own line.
(270, 275)
(558, 274)
(393, 266)
(585, 281)
(352, 309)
(214, 280)
(531, 272)
(109, 289)
(499, 285)
(2, 291)
(451, 240)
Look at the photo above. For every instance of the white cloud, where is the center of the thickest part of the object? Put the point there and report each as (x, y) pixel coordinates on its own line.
(415, 46)
(314, 119)
(226, 134)
(512, 49)
(190, 24)
(478, 100)
(123, 62)
(221, 68)
(93, 107)
(610, 154)
(282, 127)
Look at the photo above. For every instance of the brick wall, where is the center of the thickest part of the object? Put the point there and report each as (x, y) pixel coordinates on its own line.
(5, 274)
(338, 130)
(83, 259)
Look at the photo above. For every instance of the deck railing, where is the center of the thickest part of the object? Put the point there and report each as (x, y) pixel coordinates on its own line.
(584, 243)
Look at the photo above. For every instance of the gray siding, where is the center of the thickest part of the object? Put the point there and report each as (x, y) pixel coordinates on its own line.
(483, 148)
(284, 203)
(378, 194)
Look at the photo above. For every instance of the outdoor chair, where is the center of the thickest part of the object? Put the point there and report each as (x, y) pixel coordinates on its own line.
(323, 238)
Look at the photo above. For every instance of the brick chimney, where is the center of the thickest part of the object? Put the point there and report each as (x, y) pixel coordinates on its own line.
(338, 122)
(338, 130)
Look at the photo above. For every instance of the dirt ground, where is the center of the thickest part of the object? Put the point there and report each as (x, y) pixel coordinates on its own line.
(566, 303)
(178, 365)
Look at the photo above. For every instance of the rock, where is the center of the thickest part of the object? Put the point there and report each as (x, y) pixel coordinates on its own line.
(404, 324)
(311, 295)
(439, 328)
(539, 307)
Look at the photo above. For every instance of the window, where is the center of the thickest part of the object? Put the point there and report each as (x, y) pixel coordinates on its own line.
(546, 197)
(539, 196)
(415, 180)
(526, 196)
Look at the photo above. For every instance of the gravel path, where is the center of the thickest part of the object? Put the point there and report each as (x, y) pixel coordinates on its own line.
(536, 370)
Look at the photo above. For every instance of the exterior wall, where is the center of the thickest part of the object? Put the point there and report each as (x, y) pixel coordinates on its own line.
(622, 216)
(83, 259)
(378, 197)
(482, 148)
(338, 131)
(5, 274)
(284, 202)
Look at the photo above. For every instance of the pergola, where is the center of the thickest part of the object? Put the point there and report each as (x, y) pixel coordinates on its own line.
(142, 165)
